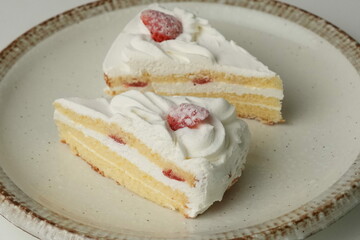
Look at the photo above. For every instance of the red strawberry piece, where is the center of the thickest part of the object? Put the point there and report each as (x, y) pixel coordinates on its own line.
(202, 80)
(162, 26)
(170, 174)
(117, 139)
(186, 115)
(136, 84)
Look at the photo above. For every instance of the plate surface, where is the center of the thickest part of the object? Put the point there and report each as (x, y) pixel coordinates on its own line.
(300, 175)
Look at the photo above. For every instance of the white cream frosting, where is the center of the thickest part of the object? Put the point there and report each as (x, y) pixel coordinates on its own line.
(199, 47)
(214, 152)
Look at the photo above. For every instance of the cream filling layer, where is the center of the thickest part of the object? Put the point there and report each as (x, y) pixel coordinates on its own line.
(198, 201)
(218, 87)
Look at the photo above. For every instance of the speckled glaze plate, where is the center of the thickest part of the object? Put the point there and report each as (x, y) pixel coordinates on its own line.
(300, 177)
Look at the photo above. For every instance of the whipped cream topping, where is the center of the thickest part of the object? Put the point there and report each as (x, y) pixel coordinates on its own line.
(199, 47)
(214, 152)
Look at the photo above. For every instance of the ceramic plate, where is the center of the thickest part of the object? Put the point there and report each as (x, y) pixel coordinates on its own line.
(300, 176)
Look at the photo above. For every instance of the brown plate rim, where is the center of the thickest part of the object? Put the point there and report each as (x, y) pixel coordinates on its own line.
(304, 221)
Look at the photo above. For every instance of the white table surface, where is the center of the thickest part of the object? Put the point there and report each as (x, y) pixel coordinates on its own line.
(17, 16)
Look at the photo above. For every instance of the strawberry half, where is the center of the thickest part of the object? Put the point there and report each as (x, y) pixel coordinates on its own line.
(186, 115)
(162, 26)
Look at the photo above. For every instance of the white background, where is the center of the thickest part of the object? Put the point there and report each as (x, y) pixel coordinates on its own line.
(17, 16)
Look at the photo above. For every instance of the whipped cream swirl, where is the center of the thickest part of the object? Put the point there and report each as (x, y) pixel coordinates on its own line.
(149, 111)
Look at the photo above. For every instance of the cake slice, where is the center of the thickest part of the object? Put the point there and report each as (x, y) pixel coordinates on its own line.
(174, 52)
(179, 152)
